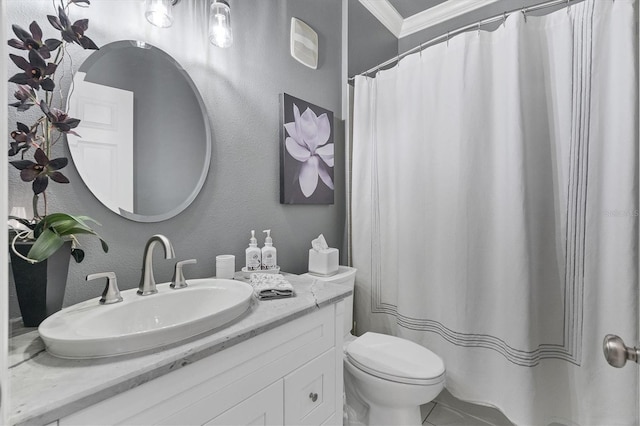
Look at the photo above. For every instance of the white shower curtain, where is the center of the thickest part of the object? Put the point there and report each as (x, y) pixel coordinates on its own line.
(495, 211)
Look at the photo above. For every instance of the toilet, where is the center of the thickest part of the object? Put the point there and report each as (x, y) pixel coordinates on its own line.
(386, 378)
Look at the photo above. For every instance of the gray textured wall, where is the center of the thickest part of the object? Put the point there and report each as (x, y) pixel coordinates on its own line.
(240, 87)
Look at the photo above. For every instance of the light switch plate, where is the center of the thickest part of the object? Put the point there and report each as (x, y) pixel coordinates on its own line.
(304, 43)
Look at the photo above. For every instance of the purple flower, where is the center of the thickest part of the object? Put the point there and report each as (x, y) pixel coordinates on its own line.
(33, 40)
(35, 72)
(41, 171)
(23, 138)
(72, 33)
(59, 119)
(307, 143)
(26, 97)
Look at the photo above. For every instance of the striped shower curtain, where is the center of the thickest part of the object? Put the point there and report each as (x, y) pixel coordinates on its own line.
(494, 208)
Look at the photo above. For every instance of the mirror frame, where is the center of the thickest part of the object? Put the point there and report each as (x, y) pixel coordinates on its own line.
(5, 333)
(94, 57)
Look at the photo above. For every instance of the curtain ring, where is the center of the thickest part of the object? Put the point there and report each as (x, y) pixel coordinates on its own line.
(398, 61)
(569, 6)
(479, 28)
(421, 48)
(524, 14)
(447, 38)
(504, 19)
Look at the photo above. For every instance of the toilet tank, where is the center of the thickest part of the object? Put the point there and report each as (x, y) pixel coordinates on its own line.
(346, 276)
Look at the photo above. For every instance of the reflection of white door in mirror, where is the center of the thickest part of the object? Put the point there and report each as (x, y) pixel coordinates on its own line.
(103, 153)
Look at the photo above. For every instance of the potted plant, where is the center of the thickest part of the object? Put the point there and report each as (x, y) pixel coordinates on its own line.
(41, 247)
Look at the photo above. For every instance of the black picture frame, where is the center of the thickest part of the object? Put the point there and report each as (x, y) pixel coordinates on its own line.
(308, 137)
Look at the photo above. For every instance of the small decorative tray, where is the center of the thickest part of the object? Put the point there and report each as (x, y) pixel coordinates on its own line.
(247, 273)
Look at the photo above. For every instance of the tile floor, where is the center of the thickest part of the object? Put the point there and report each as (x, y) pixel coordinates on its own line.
(446, 410)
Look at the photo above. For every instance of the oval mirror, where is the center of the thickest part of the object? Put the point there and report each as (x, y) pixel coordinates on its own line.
(143, 146)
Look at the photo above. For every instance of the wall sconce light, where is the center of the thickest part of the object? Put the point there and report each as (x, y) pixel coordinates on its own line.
(158, 12)
(220, 24)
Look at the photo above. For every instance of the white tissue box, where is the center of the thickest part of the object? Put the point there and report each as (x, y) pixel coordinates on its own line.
(324, 262)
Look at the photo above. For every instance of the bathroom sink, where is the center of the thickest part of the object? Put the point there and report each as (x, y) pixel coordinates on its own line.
(91, 330)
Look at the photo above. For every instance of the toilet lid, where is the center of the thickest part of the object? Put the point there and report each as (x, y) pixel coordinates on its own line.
(395, 359)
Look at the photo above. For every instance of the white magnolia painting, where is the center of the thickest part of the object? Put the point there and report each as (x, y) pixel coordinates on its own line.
(307, 153)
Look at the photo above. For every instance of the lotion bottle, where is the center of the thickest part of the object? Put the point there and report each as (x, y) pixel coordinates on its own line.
(252, 254)
(269, 254)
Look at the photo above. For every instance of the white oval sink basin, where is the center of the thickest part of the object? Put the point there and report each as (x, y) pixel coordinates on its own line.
(138, 323)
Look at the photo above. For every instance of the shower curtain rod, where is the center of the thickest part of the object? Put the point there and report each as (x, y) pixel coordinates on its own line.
(445, 37)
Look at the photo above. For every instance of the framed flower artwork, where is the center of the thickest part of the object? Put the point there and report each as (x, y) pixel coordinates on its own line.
(306, 152)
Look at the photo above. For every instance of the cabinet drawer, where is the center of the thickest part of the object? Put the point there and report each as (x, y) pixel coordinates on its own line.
(262, 408)
(309, 391)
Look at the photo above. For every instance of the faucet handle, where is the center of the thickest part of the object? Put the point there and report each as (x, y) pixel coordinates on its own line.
(178, 280)
(111, 293)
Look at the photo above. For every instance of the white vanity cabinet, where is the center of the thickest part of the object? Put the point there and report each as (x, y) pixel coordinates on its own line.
(288, 375)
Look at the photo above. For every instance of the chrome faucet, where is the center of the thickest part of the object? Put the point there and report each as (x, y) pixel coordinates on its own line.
(147, 282)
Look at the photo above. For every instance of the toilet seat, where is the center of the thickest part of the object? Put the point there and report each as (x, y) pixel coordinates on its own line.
(395, 359)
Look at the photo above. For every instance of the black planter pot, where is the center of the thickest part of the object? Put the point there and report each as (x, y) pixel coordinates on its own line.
(40, 286)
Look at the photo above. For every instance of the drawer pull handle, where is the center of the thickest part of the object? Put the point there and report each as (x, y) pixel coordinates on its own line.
(313, 396)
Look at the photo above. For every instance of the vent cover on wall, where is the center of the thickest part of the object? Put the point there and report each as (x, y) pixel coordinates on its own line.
(304, 43)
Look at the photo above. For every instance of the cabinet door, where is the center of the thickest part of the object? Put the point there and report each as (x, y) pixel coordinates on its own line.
(309, 391)
(262, 408)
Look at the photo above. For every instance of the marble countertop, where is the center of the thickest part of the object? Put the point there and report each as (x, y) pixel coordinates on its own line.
(44, 388)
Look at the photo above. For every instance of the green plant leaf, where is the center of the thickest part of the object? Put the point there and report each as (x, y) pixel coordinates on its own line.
(69, 227)
(65, 225)
(46, 244)
(55, 228)
(88, 219)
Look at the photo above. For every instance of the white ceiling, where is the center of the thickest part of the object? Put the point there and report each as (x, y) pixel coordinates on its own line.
(405, 17)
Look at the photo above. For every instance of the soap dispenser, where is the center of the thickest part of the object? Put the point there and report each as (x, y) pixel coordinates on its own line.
(252, 253)
(269, 260)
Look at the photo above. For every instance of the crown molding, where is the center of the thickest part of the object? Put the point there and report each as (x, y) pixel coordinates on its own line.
(399, 27)
(439, 14)
(386, 14)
